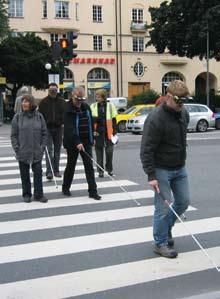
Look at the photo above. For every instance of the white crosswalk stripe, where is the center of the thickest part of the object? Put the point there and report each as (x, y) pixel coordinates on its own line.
(73, 228)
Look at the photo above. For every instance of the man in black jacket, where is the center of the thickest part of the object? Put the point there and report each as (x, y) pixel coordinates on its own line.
(163, 154)
(78, 138)
(53, 107)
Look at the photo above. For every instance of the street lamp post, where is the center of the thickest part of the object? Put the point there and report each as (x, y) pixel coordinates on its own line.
(48, 67)
(207, 53)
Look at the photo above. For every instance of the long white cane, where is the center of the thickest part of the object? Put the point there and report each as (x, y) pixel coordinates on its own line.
(51, 167)
(187, 229)
(122, 188)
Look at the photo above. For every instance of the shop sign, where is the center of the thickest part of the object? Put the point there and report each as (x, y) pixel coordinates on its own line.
(95, 85)
(90, 60)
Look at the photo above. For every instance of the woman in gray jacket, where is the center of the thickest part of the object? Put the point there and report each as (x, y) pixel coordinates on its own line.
(28, 138)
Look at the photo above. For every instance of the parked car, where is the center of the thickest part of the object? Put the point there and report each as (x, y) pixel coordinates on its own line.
(135, 125)
(217, 120)
(133, 111)
(201, 117)
(120, 103)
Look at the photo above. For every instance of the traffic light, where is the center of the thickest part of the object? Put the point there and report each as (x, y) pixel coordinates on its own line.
(67, 46)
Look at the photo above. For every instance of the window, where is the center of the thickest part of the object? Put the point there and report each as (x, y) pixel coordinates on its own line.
(77, 11)
(97, 74)
(137, 15)
(97, 13)
(68, 74)
(15, 8)
(54, 37)
(62, 9)
(138, 44)
(97, 43)
(139, 69)
(44, 8)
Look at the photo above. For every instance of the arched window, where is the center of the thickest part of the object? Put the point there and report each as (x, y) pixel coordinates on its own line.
(68, 74)
(98, 74)
(168, 77)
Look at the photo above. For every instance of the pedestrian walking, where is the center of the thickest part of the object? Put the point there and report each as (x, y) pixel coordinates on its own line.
(53, 107)
(17, 106)
(105, 127)
(163, 155)
(78, 139)
(28, 138)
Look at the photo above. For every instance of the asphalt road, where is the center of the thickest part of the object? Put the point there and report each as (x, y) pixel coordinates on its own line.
(79, 248)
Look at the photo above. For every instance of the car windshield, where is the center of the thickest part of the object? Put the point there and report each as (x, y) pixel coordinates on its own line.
(130, 110)
(145, 110)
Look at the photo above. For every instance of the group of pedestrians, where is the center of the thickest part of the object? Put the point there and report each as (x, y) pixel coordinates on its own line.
(43, 129)
(163, 149)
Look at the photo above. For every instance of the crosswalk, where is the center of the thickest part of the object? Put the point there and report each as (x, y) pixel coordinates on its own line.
(79, 247)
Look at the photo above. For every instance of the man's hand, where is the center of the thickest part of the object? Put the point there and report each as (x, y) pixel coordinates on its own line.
(154, 184)
(80, 147)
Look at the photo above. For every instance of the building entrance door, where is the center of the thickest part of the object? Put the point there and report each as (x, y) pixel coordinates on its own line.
(135, 88)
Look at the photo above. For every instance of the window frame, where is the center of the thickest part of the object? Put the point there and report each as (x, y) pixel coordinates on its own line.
(44, 9)
(138, 44)
(16, 8)
(137, 15)
(97, 43)
(97, 13)
(61, 9)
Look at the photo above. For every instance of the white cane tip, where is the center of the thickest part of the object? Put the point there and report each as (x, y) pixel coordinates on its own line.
(138, 204)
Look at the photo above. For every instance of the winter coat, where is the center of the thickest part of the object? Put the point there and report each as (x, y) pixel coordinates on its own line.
(53, 111)
(71, 136)
(164, 140)
(28, 136)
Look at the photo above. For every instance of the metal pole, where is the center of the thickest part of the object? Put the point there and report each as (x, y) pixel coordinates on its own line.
(207, 61)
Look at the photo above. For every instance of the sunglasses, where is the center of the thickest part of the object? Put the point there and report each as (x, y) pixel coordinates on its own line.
(180, 100)
(80, 99)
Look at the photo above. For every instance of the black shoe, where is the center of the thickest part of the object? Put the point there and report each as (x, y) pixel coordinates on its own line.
(95, 196)
(165, 251)
(49, 176)
(170, 240)
(66, 192)
(43, 199)
(110, 173)
(27, 198)
(57, 174)
(101, 175)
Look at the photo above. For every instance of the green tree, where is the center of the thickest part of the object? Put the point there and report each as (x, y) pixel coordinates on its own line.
(180, 26)
(4, 27)
(146, 97)
(23, 60)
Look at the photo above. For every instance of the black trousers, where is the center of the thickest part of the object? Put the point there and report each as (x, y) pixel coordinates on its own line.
(26, 181)
(108, 148)
(72, 156)
(54, 143)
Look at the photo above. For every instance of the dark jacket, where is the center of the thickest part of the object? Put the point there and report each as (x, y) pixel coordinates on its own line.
(28, 136)
(164, 140)
(53, 111)
(71, 136)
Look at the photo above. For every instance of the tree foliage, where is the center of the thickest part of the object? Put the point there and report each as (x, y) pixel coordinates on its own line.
(180, 26)
(23, 60)
(146, 97)
(4, 26)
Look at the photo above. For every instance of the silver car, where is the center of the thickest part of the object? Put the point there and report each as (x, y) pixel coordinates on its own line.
(136, 124)
(201, 117)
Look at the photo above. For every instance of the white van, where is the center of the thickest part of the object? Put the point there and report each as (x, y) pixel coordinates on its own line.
(120, 103)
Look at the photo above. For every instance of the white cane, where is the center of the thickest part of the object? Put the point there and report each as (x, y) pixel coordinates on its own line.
(189, 232)
(122, 188)
(48, 156)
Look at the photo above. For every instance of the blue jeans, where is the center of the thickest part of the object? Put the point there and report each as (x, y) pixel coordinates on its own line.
(175, 181)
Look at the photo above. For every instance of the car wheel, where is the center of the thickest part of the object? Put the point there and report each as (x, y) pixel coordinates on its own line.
(202, 126)
(217, 124)
(122, 126)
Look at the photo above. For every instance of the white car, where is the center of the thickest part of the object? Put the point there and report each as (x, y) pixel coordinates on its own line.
(201, 117)
(135, 125)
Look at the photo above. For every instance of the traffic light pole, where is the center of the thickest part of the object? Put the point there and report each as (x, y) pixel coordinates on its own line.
(61, 71)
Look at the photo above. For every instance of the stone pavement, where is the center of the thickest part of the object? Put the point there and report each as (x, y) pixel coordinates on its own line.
(5, 129)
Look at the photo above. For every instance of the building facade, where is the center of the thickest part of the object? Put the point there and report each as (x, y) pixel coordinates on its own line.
(111, 45)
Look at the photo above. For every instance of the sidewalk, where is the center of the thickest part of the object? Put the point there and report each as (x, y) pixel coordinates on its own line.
(5, 130)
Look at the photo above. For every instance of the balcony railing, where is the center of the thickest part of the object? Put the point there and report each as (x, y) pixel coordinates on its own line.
(138, 27)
